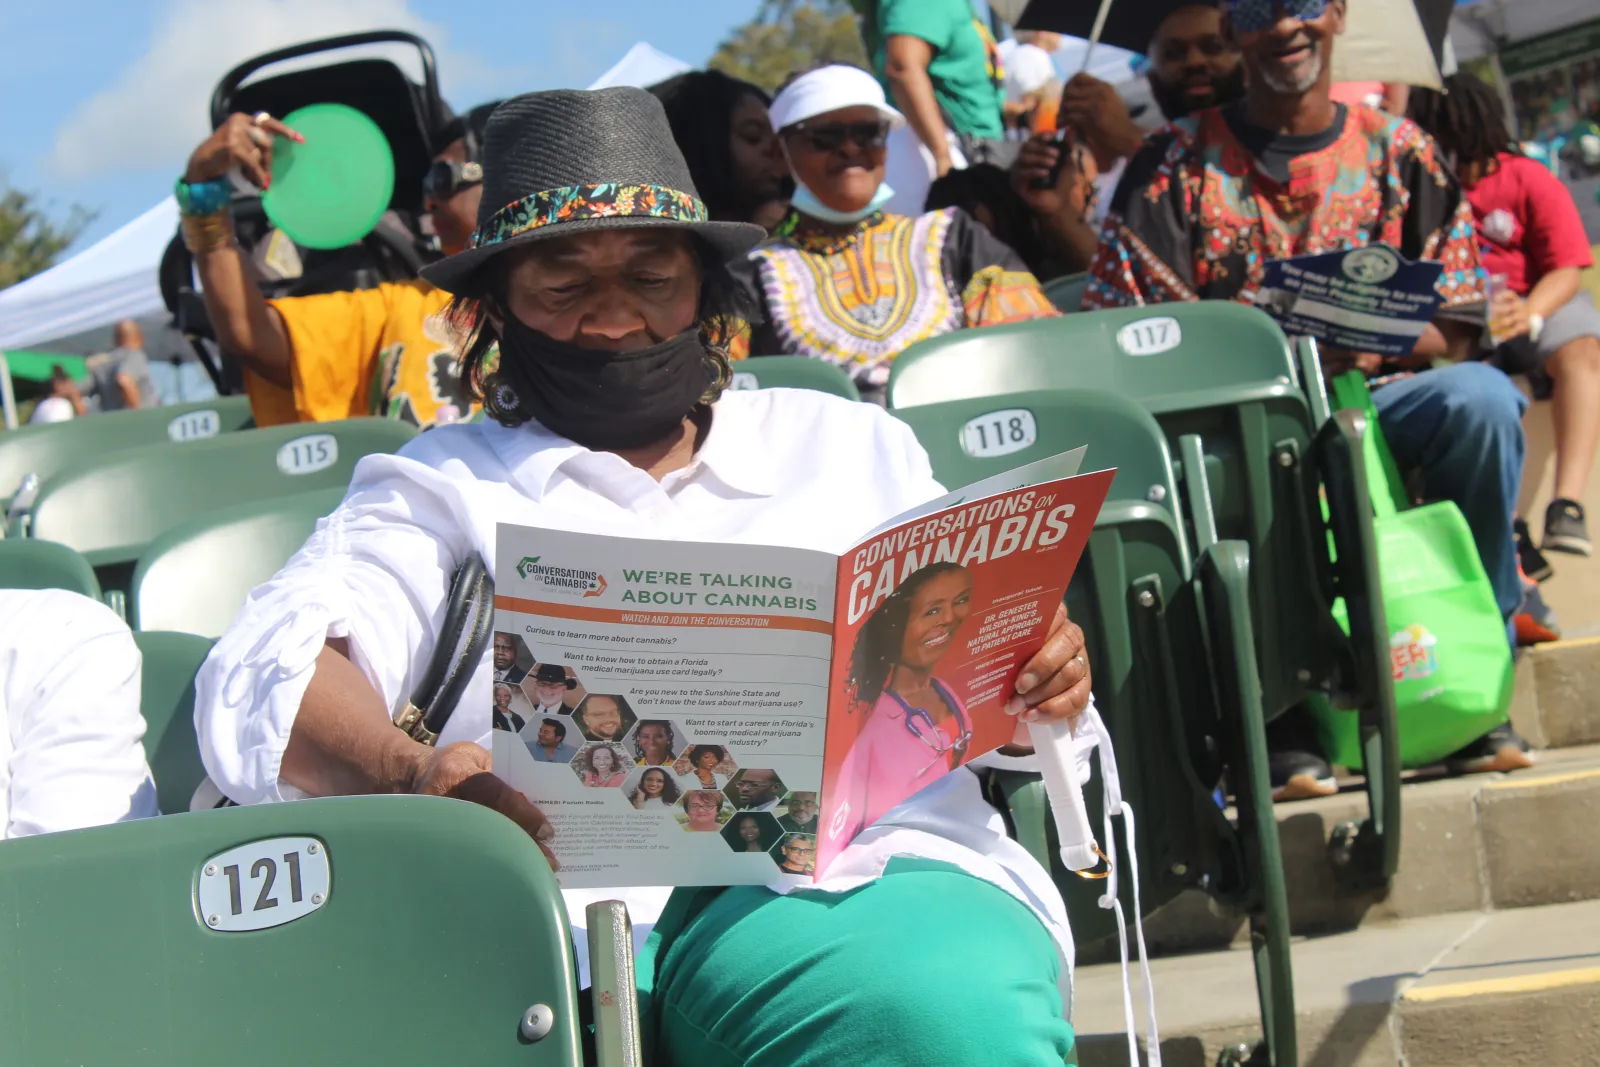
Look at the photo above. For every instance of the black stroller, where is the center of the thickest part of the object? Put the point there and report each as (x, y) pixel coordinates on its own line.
(411, 117)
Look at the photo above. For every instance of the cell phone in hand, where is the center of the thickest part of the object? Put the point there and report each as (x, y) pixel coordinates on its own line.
(1063, 140)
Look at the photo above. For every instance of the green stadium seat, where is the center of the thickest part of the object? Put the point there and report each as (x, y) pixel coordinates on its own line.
(792, 372)
(29, 564)
(1169, 634)
(409, 930)
(46, 449)
(166, 699)
(113, 507)
(1228, 390)
(195, 577)
(1066, 293)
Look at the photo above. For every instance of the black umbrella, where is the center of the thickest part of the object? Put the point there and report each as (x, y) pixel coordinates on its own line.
(1129, 23)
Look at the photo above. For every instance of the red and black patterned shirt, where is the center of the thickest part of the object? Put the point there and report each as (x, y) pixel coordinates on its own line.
(1199, 210)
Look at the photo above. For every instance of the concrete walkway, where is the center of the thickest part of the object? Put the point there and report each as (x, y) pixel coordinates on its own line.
(1512, 988)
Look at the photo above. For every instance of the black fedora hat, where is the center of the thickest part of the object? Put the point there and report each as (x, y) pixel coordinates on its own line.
(571, 161)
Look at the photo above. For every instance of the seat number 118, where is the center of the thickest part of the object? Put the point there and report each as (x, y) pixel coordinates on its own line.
(999, 433)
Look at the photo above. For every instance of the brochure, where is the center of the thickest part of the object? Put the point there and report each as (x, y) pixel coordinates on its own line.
(1369, 299)
(688, 713)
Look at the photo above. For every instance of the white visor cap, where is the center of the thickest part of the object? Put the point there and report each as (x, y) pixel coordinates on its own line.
(830, 89)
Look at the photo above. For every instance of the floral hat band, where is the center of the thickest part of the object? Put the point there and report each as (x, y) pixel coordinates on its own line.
(558, 143)
(606, 200)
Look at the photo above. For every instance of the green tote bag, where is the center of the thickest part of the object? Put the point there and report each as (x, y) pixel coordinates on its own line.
(1449, 652)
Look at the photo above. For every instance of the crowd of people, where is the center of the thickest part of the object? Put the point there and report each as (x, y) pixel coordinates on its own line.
(608, 256)
(1265, 158)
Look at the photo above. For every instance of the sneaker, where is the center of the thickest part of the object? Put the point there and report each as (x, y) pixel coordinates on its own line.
(1530, 631)
(1534, 607)
(1564, 528)
(1297, 775)
(1501, 749)
(1534, 565)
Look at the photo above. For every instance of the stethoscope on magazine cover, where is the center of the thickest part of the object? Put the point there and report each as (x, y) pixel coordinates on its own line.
(933, 738)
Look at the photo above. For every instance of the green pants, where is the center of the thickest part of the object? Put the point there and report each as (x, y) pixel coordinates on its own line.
(927, 966)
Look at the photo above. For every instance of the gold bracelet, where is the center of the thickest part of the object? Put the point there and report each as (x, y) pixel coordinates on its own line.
(207, 233)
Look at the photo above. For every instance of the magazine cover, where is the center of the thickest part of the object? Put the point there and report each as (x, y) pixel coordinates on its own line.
(934, 620)
(689, 713)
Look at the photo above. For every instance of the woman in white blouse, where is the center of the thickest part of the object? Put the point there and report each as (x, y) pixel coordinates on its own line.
(70, 727)
(595, 272)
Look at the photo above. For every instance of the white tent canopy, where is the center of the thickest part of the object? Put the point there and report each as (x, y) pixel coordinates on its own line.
(116, 277)
(643, 66)
(112, 279)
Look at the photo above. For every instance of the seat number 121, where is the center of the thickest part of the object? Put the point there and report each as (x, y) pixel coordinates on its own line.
(263, 884)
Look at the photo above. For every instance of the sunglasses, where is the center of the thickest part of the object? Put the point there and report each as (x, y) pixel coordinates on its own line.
(446, 177)
(831, 136)
(1253, 16)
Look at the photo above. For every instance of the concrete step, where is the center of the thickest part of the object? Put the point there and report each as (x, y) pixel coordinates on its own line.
(1513, 988)
(1468, 844)
(1556, 703)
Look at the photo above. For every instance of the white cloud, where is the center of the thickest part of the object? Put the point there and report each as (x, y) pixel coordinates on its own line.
(157, 111)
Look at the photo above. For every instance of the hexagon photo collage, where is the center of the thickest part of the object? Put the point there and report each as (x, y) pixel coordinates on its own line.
(654, 762)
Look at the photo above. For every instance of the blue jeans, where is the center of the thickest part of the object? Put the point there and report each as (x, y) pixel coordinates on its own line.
(1462, 427)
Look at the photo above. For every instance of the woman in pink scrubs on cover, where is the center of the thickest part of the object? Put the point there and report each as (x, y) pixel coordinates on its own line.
(917, 730)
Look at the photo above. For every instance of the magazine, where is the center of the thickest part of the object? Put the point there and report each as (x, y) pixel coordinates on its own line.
(688, 713)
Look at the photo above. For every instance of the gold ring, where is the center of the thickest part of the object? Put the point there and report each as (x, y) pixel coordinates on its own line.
(261, 117)
(1091, 876)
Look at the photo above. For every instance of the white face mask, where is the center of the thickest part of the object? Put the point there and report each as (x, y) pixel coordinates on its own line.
(806, 202)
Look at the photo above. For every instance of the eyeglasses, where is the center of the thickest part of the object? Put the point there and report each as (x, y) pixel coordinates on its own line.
(1253, 16)
(831, 136)
(446, 177)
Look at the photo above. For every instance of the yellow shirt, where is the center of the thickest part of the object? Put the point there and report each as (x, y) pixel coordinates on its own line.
(384, 351)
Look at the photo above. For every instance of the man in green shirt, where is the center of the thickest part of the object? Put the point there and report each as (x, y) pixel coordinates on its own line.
(943, 71)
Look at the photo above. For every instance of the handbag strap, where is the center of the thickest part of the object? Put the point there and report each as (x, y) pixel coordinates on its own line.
(1384, 481)
(463, 638)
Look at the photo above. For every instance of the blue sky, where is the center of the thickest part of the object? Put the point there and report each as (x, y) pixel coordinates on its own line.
(104, 99)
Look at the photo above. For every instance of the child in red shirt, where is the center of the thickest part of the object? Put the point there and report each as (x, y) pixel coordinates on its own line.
(1531, 233)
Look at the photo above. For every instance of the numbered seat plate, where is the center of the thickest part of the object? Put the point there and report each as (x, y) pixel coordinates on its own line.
(999, 433)
(309, 454)
(194, 425)
(1149, 337)
(263, 884)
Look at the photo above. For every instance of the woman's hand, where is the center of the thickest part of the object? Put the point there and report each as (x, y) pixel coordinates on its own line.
(1054, 684)
(239, 142)
(463, 771)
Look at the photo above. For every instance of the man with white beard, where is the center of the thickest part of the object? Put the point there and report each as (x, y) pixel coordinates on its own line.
(1288, 171)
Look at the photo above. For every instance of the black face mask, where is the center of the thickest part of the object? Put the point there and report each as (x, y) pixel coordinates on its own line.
(603, 400)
